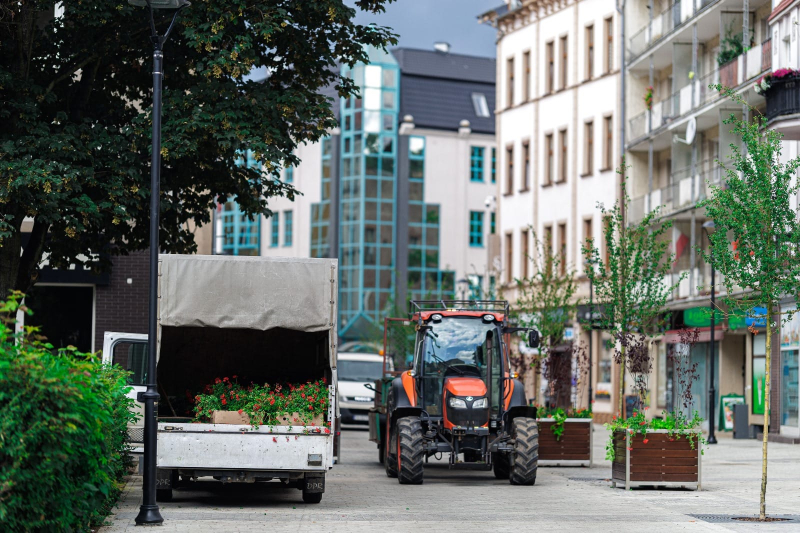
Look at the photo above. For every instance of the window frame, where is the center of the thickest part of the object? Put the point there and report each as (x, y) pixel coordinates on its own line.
(588, 147)
(550, 68)
(549, 157)
(608, 55)
(563, 157)
(526, 75)
(476, 239)
(564, 67)
(510, 82)
(608, 142)
(589, 59)
(288, 228)
(526, 165)
(509, 169)
(524, 260)
(275, 230)
(476, 163)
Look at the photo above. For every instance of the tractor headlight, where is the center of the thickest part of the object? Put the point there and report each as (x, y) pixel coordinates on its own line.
(480, 403)
(458, 403)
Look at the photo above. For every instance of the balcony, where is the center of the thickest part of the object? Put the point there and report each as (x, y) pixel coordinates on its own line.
(665, 23)
(678, 196)
(696, 93)
(783, 107)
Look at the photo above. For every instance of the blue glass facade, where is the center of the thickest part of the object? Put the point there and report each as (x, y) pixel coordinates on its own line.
(238, 234)
(321, 212)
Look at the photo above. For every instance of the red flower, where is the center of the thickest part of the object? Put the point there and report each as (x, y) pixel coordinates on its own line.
(274, 439)
(302, 395)
(222, 396)
(235, 376)
(630, 449)
(272, 401)
(310, 407)
(225, 379)
(217, 380)
(645, 441)
(643, 422)
(327, 430)
(224, 402)
(256, 407)
(237, 396)
(240, 411)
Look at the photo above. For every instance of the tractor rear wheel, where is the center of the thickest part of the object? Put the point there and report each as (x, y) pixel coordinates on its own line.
(389, 454)
(500, 465)
(410, 451)
(525, 458)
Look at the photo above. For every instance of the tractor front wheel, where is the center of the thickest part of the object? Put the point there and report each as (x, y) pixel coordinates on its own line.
(410, 451)
(525, 459)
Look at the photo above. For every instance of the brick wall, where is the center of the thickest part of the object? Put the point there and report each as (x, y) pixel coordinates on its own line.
(122, 306)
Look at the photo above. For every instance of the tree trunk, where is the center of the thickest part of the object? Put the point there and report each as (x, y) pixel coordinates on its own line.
(762, 512)
(17, 265)
(10, 253)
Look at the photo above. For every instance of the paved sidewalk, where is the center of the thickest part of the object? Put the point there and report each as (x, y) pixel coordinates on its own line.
(359, 497)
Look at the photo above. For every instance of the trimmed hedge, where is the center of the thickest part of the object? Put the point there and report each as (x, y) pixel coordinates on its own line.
(63, 430)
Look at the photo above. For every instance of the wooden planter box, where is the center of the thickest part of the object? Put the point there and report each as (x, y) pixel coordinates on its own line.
(574, 447)
(233, 417)
(661, 462)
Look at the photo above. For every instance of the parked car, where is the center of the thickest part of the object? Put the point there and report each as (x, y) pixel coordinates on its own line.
(355, 370)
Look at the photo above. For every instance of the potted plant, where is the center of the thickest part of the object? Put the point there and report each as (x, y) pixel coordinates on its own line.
(662, 451)
(565, 433)
(648, 97)
(226, 401)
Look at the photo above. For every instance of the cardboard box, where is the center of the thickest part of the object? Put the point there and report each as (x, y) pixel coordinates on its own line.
(293, 419)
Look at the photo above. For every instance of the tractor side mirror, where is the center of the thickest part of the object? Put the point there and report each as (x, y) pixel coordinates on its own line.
(533, 339)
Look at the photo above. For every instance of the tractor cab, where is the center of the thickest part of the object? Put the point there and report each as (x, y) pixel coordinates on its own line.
(459, 397)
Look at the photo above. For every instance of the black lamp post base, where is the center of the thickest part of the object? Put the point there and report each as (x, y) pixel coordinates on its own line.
(149, 516)
(712, 440)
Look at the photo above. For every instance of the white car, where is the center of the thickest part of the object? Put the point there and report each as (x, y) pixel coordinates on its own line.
(355, 370)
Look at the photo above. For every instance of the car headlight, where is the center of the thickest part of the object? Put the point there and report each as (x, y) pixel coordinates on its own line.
(480, 403)
(458, 403)
(362, 399)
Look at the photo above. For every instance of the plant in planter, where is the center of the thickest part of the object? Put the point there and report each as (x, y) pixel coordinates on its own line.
(732, 46)
(765, 83)
(291, 404)
(648, 97)
(662, 451)
(565, 433)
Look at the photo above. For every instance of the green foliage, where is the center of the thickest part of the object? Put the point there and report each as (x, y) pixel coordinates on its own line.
(546, 300)
(732, 45)
(629, 279)
(76, 115)
(676, 423)
(63, 432)
(264, 404)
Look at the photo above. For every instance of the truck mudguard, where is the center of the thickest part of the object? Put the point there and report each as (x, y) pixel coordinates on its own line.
(400, 404)
(517, 394)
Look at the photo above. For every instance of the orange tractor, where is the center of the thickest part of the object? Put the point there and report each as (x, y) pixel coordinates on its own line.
(458, 396)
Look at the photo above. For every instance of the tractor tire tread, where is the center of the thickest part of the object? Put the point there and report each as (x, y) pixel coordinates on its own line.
(524, 461)
(412, 453)
(389, 459)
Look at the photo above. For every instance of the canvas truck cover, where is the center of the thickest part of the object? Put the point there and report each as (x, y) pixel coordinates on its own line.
(258, 293)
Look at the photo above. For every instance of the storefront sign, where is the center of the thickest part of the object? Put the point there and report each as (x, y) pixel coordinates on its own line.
(736, 321)
(790, 331)
(698, 317)
(726, 404)
(757, 317)
(759, 378)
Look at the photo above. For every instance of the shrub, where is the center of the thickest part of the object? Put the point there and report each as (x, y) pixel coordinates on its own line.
(63, 430)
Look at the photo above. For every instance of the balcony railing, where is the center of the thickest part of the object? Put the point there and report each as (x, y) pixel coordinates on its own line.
(744, 68)
(783, 98)
(664, 23)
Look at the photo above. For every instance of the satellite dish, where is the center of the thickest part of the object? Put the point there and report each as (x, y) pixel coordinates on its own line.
(691, 132)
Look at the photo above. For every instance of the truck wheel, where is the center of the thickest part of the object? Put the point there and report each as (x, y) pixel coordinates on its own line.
(163, 495)
(525, 459)
(410, 451)
(500, 465)
(312, 497)
(389, 459)
(381, 452)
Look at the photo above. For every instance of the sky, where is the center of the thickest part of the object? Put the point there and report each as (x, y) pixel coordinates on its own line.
(420, 23)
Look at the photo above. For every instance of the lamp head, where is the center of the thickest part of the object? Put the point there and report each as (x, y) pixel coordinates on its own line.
(160, 4)
(709, 225)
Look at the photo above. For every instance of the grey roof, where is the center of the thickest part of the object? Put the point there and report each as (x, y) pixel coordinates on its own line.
(433, 64)
(436, 88)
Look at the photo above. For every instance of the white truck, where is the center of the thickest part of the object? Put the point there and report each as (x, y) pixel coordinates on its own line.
(266, 320)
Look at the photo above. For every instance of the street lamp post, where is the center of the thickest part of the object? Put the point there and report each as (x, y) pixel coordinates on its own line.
(148, 511)
(712, 392)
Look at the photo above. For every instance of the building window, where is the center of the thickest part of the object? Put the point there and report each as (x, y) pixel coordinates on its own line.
(510, 170)
(236, 233)
(476, 163)
(564, 62)
(588, 238)
(526, 75)
(526, 165)
(480, 105)
(509, 257)
(562, 161)
(492, 224)
(589, 52)
(476, 228)
(494, 165)
(288, 174)
(562, 249)
(551, 67)
(275, 230)
(524, 253)
(548, 159)
(608, 56)
(510, 82)
(608, 142)
(287, 228)
(588, 147)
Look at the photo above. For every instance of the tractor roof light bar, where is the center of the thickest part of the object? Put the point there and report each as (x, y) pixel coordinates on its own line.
(496, 306)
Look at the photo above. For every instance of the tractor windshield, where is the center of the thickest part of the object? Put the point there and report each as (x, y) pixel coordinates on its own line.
(452, 346)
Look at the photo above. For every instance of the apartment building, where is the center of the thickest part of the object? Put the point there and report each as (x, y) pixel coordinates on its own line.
(558, 94)
(401, 192)
(676, 135)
